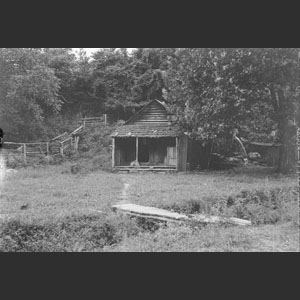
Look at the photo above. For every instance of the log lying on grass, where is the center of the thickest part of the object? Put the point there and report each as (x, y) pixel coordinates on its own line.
(165, 215)
(150, 212)
(215, 219)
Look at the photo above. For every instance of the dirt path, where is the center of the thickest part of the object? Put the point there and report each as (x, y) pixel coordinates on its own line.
(124, 197)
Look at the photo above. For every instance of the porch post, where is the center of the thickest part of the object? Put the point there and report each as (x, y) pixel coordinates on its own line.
(137, 151)
(177, 154)
(113, 152)
(24, 153)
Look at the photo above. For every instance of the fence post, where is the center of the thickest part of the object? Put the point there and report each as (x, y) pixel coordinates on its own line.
(77, 142)
(47, 148)
(25, 159)
(61, 149)
(105, 119)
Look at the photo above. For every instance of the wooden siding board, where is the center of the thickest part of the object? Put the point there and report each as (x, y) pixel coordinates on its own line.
(113, 152)
(182, 153)
(171, 156)
(154, 112)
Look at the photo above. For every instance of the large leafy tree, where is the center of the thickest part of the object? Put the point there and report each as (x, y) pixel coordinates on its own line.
(112, 81)
(76, 82)
(214, 91)
(201, 94)
(274, 73)
(126, 82)
(29, 88)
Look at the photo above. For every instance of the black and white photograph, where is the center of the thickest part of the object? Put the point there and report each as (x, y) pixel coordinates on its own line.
(149, 149)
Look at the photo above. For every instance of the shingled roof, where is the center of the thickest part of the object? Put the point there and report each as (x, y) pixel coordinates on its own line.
(153, 131)
(151, 121)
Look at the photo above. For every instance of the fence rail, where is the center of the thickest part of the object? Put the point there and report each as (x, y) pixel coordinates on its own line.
(93, 120)
(77, 130)
(55, 146)
(27, 149)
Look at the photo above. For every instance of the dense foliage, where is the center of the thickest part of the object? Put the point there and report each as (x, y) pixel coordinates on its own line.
(213, 92)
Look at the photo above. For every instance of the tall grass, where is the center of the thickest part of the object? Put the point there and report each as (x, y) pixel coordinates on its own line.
(73, 233)
(63, 212)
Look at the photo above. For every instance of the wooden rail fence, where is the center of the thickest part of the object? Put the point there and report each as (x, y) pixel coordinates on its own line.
(27, 149)
(94, 120)
(56, 146)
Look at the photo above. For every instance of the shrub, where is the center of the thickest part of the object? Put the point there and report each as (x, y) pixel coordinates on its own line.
(72, 233)
(264, 207)
(261, 207)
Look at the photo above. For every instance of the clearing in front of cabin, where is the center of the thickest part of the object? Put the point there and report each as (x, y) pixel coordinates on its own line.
(51, 209)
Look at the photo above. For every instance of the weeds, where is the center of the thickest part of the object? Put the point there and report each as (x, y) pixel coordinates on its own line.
(261, 207)
(73, 233)
(59, 216)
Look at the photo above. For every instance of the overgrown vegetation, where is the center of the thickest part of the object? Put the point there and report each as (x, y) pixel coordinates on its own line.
(211, 91)
(95, 150)
(50, 205)
(71, 233)
(72, 212)
(261, 207)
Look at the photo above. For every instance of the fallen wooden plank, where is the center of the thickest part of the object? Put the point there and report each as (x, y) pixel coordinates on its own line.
(147, 167)
(150, 211)
(155, 218)
(146, 170)
(216, 219)
(165, 215)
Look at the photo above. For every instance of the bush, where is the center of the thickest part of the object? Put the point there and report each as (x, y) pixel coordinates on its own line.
(72, 233)
(264, 207)
(95, 148)
(261, 207)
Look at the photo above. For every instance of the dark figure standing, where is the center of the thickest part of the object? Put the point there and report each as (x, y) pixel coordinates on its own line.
(1, 138)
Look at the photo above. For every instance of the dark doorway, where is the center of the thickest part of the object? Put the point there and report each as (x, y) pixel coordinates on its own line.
(143, 156)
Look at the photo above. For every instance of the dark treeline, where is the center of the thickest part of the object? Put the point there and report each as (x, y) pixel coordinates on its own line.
(212, 91)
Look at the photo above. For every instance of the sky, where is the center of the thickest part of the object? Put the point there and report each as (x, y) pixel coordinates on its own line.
(90, 51)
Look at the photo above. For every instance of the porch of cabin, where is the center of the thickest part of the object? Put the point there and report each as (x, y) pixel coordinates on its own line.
(144, 153)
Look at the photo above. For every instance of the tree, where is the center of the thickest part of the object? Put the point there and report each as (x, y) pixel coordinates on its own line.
(28, 88)
(213, 91)
(274, 75)
(126, 82)
(205, 101)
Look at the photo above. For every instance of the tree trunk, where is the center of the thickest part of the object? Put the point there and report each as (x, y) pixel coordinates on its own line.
(284, 163)
(279, 104)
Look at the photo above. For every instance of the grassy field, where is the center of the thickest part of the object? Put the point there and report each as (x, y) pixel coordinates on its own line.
(179, 188)
(62, 211)
(53, 191)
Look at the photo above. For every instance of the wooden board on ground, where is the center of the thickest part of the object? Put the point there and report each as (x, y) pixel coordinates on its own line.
(165, 215)
(150, 211)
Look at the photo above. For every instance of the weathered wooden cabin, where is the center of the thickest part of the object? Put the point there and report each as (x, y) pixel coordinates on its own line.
(150, 141)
